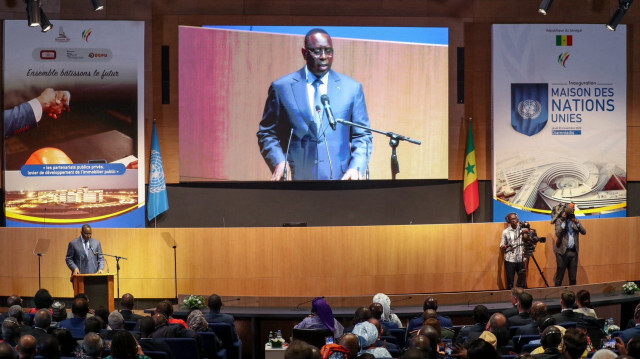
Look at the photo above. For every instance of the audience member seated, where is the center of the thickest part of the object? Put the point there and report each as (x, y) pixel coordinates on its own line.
(387, 315)
(41, 323)
(524, 307)
(504, 344)
(48, 347)
(42, 300)
(538, 310)
(368, 336)
(376, 312)
(413, 353)
(94, 325)
(59, 313)
(92, 346)
(11, 301)
(429, 303)
(497, 320)
(147, 327)
(15, 311)
(583, 298)
(164, 330)
(351, 343)
(472, 332)
(321, 317)
(6, 351)
(379, 341)
(11, 331)
(422, 343)
(513, 310)
(68, 346)
(166, 308)
(214, 315)
(550, 340)
(544, 323)
(115, 323)
(197, 322)
(333, 351)
(298, 349)
(127, 304)
(27, 347)
(574, 344)
(480, 349)
(79, 308)
(567, 301)
(90, 313)
(125, 346)
(629, 333)
(434, 339)
(362, 314)
(604, 354)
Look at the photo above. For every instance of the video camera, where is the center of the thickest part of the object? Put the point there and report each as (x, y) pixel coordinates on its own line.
(530, 237)
(559, 209)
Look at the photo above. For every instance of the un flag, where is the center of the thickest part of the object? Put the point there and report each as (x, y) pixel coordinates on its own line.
(529, 107)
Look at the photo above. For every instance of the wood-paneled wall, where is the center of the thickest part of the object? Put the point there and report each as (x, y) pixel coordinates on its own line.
(331, 261)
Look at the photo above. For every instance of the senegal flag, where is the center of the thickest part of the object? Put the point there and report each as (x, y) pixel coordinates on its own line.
(471, 195)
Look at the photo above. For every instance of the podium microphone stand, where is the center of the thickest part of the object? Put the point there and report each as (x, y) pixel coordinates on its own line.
(118, 258)
(394, 141)
(42, 246)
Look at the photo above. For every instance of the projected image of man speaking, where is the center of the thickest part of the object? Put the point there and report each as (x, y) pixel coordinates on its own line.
(298, 117)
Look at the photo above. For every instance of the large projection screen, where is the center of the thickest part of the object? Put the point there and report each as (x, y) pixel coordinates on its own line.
(224, 76)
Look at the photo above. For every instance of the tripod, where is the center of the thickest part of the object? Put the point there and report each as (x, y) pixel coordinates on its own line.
(526, 268)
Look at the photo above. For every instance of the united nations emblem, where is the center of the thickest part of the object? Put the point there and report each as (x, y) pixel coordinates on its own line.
(156, 175)
(529, 109)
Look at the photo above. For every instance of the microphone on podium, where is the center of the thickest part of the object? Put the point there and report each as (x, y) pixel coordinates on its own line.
(327, 108)
(307, 301)
(231, 300)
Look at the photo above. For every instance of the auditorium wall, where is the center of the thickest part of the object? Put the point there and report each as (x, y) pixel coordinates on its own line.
(306, 262)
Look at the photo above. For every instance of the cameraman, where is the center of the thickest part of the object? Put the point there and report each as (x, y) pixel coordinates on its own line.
(511, 244)
(568, 230)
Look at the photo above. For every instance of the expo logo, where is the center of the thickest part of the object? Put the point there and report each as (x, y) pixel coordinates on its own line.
(97, 55)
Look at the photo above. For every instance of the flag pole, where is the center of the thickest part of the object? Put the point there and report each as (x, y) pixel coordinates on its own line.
(470, 120)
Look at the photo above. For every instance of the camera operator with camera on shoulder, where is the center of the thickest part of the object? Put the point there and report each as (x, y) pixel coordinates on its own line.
(566, 248)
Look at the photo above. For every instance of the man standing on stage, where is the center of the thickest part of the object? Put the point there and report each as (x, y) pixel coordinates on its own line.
(568, 230)
(295, 131)
(84, 254)
(511, 244)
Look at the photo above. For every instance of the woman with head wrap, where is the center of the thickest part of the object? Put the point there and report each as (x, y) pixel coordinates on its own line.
(368, 336)
(321, 318)
(197, 322)
(387, 316)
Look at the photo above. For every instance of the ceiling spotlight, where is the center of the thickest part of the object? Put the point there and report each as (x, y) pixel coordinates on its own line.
(623, 6)
(45, 24)
(97, 5)
(33, 12)
(544, 7)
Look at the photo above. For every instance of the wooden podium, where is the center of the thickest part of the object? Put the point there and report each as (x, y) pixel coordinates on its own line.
(97, 287)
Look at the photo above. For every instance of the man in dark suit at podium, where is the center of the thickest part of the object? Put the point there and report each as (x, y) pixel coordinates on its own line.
(84, 254)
